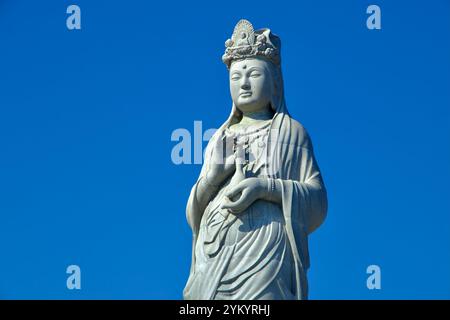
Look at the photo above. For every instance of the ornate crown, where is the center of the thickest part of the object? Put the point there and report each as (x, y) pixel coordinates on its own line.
(246, 42)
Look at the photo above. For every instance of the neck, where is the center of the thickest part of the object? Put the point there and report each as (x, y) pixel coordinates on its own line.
(256, 116)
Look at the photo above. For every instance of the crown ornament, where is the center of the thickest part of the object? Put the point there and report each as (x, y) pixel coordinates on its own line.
(246, 43)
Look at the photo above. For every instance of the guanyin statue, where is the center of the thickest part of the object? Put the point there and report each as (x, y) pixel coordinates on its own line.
(260, 192)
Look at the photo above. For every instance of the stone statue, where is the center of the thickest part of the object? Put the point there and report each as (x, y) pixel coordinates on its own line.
(260, 192)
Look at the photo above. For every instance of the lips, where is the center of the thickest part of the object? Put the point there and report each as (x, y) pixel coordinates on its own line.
(246, 94)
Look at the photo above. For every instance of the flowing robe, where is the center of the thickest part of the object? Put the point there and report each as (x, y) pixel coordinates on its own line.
(284, 227)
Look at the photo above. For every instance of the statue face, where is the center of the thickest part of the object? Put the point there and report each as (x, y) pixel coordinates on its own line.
(251, 84)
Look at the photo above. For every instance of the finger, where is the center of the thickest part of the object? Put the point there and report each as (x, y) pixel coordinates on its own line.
(235, 190)
(238, 206)
(230, 160)
(227, 204)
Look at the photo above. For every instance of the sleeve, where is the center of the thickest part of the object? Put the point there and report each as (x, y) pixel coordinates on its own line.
(304, 204)
(193, 211)
(304, 200)
(311, 192)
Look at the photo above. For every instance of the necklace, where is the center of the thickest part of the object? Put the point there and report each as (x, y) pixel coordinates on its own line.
(245, 142)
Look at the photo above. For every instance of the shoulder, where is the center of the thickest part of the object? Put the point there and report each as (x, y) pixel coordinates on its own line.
(298, 134)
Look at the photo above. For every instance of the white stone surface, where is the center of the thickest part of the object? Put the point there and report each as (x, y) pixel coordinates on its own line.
(260, 192)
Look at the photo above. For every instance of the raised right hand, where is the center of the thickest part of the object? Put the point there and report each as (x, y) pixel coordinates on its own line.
(222, 162)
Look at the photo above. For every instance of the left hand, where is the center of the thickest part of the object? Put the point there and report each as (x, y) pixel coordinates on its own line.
(250, 190)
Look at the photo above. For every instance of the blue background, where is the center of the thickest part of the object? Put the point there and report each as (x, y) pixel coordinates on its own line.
(86, 119)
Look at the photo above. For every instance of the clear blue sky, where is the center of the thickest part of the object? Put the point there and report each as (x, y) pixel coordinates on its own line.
(86, 117)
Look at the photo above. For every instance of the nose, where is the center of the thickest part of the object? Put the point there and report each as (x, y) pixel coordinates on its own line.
(245, 83)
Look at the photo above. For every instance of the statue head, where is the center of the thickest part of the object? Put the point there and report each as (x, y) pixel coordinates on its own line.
(253, 60)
